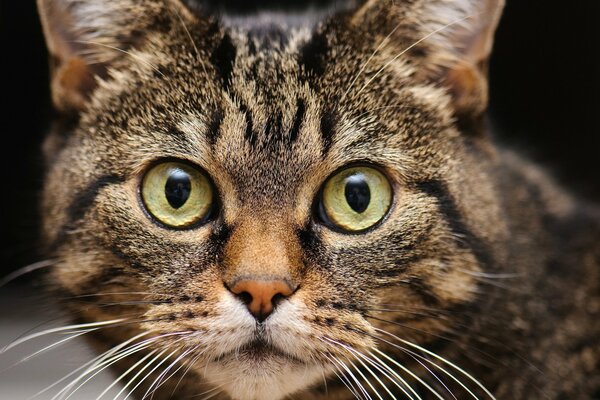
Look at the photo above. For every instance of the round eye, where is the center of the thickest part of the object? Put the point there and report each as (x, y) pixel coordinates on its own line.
(356, 198)
(177, 194)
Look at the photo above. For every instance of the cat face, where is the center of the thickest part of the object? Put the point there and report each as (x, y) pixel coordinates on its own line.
(255, 206)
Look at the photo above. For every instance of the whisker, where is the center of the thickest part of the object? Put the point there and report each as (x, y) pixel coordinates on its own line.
(150, 373)
(190, 365)
(46, 348)
(140, 372)
(377, 364)
(412, 374)
(26, 270)
(211, 396)
(89, 363)
(365, 379)
(411, 328)
(98, 369)
(442, 359)
(57, 330)
(404, 383)
(161, 380)
(124, 374)
(355, 353)
(488, 275)
(418, 358)
(111, 357)
(364, 66)
(81, 296)
(208, 391)
(343, 378)
(354, 378)
(384, 386)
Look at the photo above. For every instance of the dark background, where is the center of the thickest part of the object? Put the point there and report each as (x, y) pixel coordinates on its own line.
(544, 85)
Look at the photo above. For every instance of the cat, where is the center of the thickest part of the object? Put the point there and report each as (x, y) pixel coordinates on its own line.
(257, 210)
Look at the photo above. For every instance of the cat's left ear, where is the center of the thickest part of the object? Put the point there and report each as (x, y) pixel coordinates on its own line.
(460, 35)
(447, 41)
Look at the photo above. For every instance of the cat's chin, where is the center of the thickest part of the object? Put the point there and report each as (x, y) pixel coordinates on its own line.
(260, 372)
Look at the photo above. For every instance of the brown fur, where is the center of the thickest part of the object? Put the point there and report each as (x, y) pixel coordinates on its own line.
(482, 258)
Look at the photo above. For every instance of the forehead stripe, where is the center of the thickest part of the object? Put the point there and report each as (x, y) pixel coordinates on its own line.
(298, 118)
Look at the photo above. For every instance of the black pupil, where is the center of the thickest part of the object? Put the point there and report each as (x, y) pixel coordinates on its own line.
(357, 193)
(178, 188)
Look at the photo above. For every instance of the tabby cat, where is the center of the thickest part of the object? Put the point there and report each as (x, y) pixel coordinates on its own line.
(307, 206)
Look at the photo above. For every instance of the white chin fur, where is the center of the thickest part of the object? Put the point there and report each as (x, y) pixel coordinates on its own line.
(267, 379)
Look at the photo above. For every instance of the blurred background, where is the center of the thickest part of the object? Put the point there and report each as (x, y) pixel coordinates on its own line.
(544, 85)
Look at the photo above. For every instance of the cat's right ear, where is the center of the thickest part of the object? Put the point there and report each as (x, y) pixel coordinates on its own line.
(71, 75)
(85, 38)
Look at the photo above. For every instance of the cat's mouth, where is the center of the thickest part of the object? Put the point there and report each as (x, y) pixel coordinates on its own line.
(257, 351)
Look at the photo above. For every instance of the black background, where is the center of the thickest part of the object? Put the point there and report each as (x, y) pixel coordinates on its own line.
(544, 85)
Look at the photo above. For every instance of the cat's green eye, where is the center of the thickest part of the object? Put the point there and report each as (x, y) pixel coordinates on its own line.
(177, 194)
(356, 198)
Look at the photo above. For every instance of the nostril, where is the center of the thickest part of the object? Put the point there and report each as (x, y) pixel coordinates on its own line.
(245, 297)
(277, 298)
(261, 296)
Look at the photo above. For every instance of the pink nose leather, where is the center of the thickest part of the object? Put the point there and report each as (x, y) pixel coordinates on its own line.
(261, 296)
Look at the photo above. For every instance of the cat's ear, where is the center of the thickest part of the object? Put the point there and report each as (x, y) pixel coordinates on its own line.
(86, 37)
(450, 43)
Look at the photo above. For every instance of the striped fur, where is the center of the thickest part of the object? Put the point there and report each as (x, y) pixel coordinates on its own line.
(482, 258)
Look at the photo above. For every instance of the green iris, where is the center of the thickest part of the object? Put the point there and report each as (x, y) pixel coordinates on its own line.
(356, 198)
(177, 194)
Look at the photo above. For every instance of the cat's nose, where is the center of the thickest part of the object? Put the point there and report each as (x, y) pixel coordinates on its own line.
(261, 297)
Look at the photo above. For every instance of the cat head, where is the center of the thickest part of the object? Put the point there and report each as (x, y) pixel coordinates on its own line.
(261, 196)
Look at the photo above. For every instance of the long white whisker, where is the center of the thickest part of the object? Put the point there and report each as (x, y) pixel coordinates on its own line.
(43, 350)
(354, 378)
(140, 372)
(365, 379)
(161, 380)
(211, 396)
(398, 381)
(334, 361)
(101, 367)
(218, 389)
(25, 270)
(150, 373)
(445, 361)
(358, 356)
(384, 386)
(190, 365)
(418, 358)
(124, 374)
(56, 330)
(109, 358)
(89, 363)
(412, 374)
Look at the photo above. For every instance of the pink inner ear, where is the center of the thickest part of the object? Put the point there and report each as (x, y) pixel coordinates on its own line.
(72, 83)
(468, 87)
